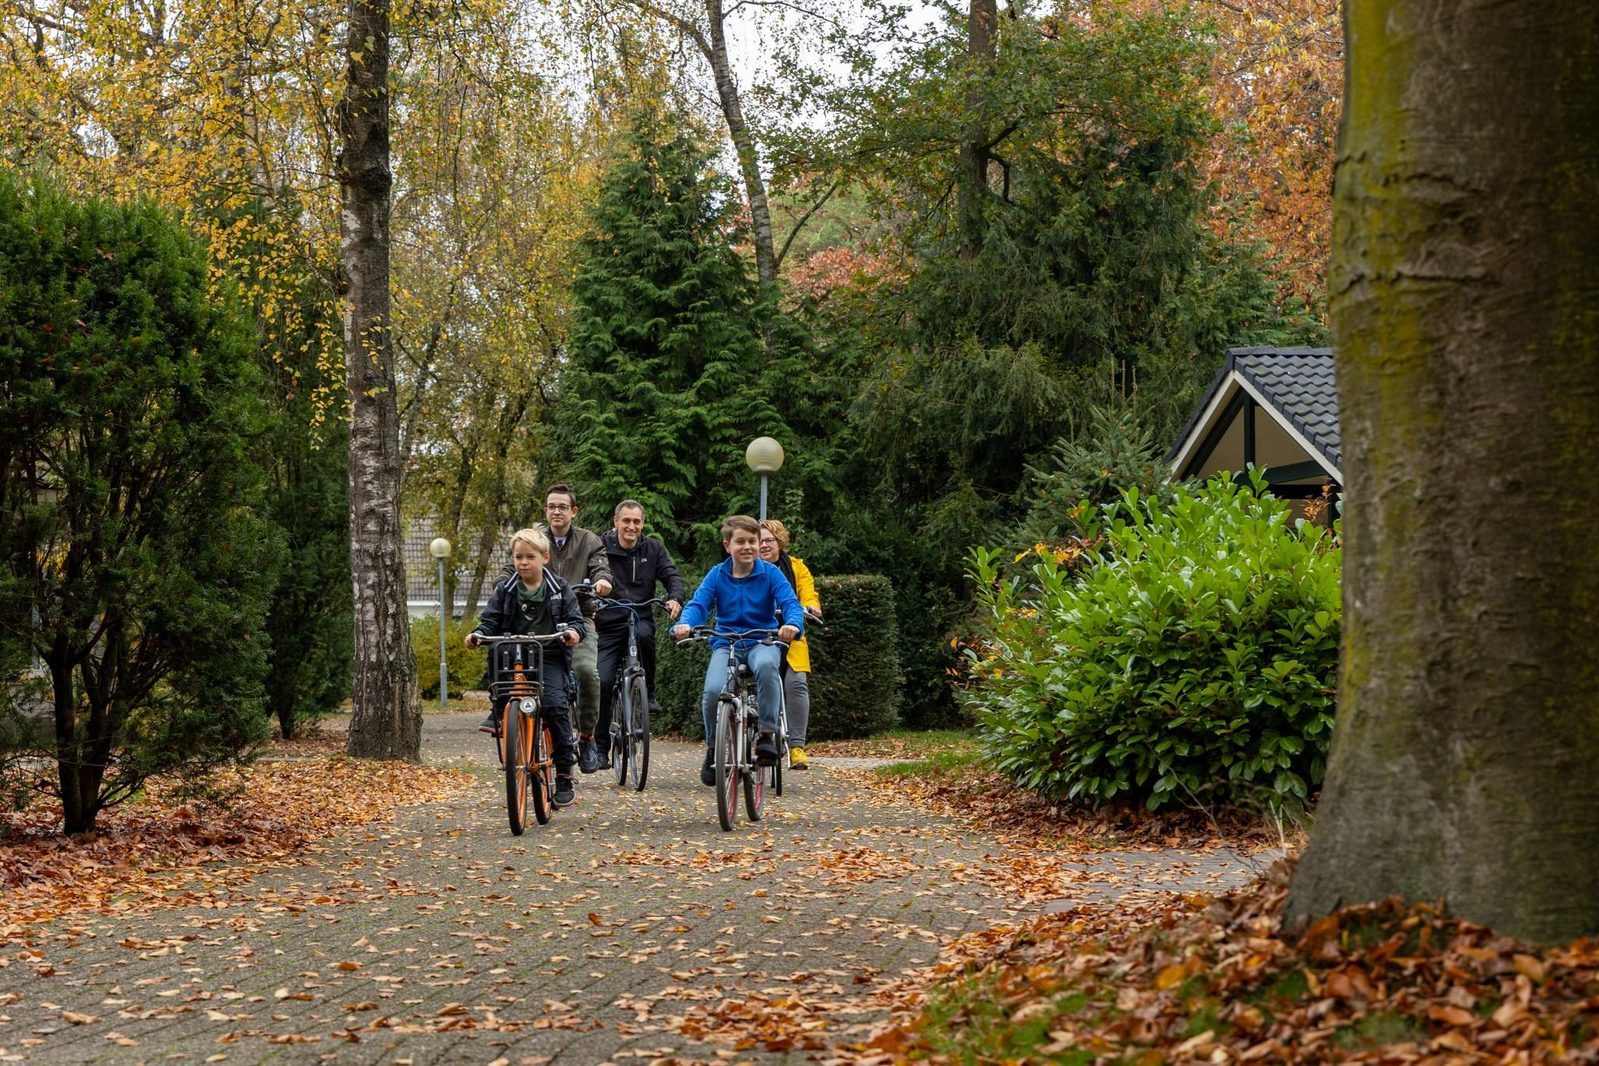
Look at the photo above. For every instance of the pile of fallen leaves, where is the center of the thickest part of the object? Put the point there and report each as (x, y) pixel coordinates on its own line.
(139, 848)
(998, 807)
(1218, 980)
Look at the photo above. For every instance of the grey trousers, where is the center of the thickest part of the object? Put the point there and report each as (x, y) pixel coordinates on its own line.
(797, 698)
(586, 665)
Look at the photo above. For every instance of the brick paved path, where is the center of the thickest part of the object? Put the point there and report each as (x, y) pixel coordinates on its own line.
(437, 937)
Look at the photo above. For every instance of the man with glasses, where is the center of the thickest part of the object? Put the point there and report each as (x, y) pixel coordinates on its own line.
(577, 554)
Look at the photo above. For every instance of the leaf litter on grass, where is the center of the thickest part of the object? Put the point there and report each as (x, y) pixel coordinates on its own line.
(1218, 980)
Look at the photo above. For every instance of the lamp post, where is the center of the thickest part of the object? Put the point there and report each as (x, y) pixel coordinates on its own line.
(440, 550)
(765, 457)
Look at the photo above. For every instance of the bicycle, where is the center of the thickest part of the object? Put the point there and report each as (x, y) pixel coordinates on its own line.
(737, 717)
(630, 702)
(524, 744)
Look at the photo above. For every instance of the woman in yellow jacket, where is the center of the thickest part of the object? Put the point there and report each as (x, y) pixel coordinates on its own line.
(796, 686)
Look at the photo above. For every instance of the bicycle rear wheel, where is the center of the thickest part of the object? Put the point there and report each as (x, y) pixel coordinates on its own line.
(753, 773)
(620, 726)
(517, 738)
(638, 736)
(729, 723)
(539, 761)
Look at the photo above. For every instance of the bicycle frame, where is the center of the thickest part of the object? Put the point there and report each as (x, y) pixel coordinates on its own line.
(630, 715)
(525, 745)
(737, 717)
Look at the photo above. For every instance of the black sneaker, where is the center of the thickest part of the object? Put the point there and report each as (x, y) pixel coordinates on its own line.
(490, 725)
(708, 770)
(564, 793)
(765, 749)
(588, 756)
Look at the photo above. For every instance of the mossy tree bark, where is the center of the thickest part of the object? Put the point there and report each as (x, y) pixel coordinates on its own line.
(387, 722)
(1464, 293)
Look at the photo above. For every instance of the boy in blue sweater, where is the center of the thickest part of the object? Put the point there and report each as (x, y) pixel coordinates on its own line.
(744, 592)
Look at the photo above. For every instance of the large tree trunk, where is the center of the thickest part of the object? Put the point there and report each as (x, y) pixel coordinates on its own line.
(971, 180)
(743, 144)
(1463, 294)
(387, 721)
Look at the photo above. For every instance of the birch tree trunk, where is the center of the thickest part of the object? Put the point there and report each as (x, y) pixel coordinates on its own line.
(743, 144)
(1465, 309)
(387, 720)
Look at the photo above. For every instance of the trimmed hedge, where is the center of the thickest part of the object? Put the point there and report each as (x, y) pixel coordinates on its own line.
(855, 677)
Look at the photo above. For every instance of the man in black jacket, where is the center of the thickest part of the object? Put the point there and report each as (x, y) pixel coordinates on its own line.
(637, 564)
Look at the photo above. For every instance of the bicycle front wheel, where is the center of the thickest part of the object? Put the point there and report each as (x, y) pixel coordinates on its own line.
(638, 734)
(620, 726)
(753, 773)
(517, 742)
(729, 723)
(539, 764)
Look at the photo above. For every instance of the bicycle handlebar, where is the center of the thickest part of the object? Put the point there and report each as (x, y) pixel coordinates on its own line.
(763, 636)
(537, 638)
(607, 603)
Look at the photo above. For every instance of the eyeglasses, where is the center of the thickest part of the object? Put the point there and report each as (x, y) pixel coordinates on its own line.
(557, 507)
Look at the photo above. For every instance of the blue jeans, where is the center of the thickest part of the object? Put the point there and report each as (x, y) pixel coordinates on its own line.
(764, 659)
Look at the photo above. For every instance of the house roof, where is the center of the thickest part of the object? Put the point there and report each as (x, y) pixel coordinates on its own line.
(1296, 385)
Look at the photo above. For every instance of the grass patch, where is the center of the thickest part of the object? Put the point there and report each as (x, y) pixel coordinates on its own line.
(936, 764)
(970, 1023)
(1378, 1030)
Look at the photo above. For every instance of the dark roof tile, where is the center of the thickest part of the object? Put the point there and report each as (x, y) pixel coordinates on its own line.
(1299, 383)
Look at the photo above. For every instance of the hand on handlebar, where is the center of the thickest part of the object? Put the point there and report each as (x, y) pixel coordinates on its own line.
(787, 634)
(472, 640)
(674, 608)
(680, 633)
(570, 636)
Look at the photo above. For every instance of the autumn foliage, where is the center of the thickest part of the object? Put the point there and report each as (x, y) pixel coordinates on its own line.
(1196, 979)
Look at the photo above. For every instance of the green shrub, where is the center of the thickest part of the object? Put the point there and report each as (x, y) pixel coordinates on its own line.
(139, 561)
(466, 665)
(1193, 660)
(855, 677)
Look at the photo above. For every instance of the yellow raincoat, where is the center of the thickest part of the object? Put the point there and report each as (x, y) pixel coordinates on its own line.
(799, 653)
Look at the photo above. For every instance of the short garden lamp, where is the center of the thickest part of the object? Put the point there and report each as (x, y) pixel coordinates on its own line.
(765, 457)
(440, 550)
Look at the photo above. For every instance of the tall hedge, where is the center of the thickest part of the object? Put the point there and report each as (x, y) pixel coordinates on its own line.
(856, 677)
(855, 668)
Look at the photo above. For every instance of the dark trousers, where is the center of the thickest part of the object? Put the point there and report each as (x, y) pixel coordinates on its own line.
(613, 660)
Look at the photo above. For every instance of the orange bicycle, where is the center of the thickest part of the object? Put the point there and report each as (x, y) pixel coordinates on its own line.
(525, 743)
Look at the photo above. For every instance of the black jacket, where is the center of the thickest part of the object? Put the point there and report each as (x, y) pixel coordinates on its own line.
(504, 614)
(635, 572)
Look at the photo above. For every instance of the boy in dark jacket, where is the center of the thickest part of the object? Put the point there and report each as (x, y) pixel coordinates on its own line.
(533, 601)
(638, 563)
